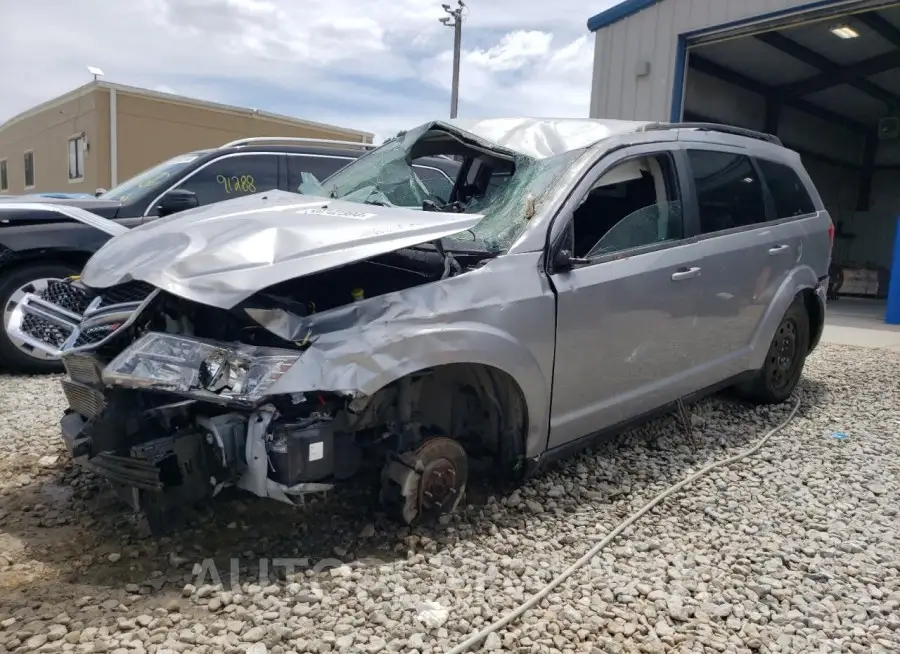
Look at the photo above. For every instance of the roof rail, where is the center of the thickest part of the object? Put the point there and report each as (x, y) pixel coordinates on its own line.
(291, 139)
(715, 127)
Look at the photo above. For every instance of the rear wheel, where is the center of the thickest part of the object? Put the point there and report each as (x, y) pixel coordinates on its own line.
(778, 377)
(16, 355)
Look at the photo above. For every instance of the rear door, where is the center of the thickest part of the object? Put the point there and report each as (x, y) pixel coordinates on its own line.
(744, 255)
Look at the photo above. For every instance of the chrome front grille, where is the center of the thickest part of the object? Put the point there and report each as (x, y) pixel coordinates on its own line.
(66, 316)
(125, 293)
(95, 334)
(45, 330)
(83, 399)
(64, 294)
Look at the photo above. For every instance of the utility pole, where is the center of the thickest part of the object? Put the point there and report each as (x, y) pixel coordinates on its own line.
(454, 20)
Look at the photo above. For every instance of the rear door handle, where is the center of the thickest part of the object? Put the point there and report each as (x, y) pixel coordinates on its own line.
(779, 249)
(685, 273)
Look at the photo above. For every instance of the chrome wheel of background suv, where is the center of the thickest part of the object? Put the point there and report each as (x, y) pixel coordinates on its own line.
(35, 286)
(15, 355)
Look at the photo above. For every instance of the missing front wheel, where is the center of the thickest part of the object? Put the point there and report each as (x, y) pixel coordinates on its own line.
(426, 483)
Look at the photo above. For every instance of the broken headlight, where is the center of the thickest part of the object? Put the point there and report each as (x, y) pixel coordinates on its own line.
(199, 368)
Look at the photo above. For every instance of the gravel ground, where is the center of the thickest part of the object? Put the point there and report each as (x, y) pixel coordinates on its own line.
(792, 550)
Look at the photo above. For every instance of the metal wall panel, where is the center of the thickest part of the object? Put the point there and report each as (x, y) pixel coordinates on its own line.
(652, 36)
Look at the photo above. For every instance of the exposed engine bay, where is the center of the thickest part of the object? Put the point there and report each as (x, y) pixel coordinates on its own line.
(199, 376)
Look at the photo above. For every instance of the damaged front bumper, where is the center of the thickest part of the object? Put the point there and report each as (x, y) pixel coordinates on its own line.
(171, 420)
(207, 445)
(201, 452)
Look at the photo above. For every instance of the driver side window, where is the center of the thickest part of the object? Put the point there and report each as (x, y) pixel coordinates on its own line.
(632, 205)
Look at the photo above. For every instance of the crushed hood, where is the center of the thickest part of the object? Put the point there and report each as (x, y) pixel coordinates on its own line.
(223, 253)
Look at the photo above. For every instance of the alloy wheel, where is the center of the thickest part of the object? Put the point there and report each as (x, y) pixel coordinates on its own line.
(34, 286)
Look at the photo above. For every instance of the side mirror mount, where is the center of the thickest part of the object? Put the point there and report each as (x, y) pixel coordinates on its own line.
(565, 261)
(176, 200)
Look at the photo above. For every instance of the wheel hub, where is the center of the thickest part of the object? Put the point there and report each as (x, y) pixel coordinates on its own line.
(438, 485)
(783, 352)
(430, 480)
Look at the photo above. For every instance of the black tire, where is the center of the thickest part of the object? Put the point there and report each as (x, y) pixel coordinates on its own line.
(776, 380)
(12, 358)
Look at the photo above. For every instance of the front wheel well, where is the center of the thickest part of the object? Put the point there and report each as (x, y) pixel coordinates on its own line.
(479, 405)
(74, 258)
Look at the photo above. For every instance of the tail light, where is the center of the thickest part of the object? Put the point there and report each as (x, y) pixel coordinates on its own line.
(831, 233)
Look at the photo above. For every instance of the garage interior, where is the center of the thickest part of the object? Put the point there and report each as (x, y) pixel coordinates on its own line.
(830, 90)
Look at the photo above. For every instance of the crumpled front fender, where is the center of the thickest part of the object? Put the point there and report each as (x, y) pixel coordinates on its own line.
(501, 315)
(360, 362)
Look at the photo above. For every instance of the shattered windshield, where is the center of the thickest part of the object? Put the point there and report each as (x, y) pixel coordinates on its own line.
(150, 179)
(508, 199)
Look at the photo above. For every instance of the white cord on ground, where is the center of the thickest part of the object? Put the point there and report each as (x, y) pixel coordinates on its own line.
(546, 590)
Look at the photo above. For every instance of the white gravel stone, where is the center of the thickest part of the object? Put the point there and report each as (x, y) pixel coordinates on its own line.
(792, 550)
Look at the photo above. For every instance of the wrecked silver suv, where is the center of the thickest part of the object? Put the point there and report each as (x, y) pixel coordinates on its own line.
(282, 343)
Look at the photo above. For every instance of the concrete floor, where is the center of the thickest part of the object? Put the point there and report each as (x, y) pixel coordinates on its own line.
(860, 321)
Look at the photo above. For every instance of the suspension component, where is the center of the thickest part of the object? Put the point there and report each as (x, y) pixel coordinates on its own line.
(427, 482)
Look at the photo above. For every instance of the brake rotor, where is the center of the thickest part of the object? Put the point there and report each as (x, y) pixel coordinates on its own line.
(443, 475)
(429, 481)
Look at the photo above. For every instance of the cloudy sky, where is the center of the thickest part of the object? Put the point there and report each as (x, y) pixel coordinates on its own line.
(378, 66)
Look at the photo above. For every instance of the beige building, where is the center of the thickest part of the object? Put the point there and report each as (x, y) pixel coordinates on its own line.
(101, 134)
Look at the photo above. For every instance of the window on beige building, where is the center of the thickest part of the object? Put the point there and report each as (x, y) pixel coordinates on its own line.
(76, 158)
(4, 176)
(29, 169)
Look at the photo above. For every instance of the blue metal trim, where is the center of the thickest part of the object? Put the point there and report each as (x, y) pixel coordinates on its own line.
(678, 79)
(892, 314)
(618, 12)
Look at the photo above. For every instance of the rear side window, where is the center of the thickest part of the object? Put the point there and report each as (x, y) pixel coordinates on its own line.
(320, 166)
(789, 195)
(729, 192)
(233, 176)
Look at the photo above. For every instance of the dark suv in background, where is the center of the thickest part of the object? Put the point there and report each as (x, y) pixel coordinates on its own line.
(40, 241)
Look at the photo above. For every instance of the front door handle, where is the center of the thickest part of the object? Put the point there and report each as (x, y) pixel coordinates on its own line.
(685, 273)
(779, 249)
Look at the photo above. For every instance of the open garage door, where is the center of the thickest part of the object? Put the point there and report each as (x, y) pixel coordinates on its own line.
(828, 85)
(786, 19)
